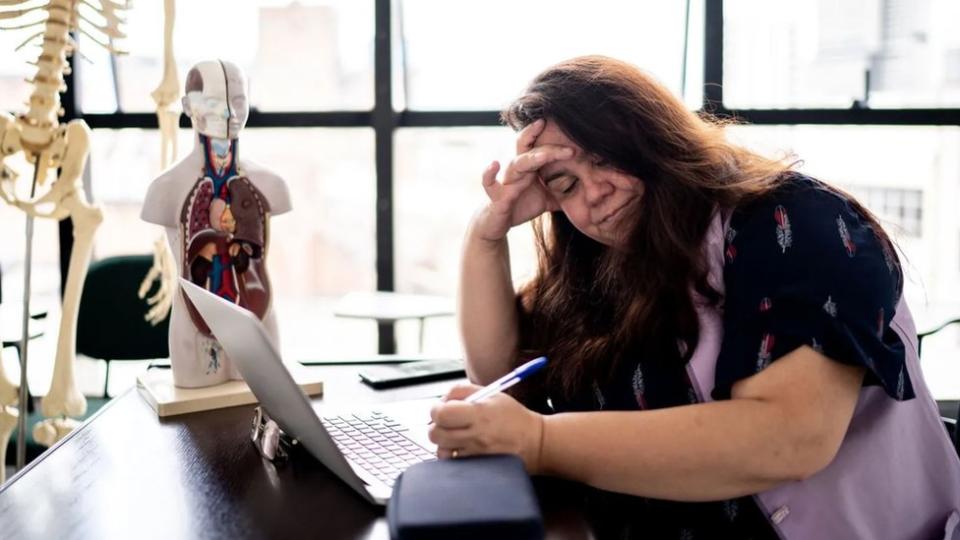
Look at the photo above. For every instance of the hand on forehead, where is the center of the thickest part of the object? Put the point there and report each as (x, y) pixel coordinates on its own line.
(551, 134)
(550, 142)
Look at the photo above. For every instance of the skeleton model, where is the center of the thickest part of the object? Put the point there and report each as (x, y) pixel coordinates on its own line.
(49, 146)
(215, 209)
(165, 96)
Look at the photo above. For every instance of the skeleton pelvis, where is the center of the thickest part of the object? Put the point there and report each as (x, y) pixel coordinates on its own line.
(224, 242)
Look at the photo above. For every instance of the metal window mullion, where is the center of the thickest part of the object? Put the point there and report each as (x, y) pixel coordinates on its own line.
(384, 123)
(713, 56)
(864, 117)
(337, 119)
(71, 110)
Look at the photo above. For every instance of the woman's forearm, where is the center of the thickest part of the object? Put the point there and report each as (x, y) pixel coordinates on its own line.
(487, 312)
(709, 451)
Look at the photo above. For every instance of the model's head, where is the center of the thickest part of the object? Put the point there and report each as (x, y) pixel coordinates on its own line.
(215, 99)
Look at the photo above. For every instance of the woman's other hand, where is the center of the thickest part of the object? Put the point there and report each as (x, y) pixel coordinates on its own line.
(496, 425)
(520, 196)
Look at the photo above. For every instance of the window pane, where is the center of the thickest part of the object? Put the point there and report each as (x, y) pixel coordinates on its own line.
(14, 91)
(444, 164)
(783, 54)
(480, 55)
(45, 275)
(910, 178)
(306, 55)
(321, 250)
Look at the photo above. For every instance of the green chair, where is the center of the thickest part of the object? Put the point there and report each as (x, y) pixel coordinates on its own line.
(111, 324)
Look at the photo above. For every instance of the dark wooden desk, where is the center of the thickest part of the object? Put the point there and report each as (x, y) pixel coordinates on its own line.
(127, 474)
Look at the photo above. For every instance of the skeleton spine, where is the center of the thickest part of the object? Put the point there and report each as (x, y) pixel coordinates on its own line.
(44, 107)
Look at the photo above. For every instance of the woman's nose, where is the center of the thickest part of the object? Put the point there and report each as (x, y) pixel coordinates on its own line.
(597, 190)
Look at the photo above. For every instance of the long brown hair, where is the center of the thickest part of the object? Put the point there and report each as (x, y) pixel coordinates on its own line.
(589, 305)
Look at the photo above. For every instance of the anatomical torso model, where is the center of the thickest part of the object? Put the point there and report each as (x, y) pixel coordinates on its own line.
(216, 208)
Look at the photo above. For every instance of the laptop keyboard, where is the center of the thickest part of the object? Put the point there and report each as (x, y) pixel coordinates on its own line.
(376, 443)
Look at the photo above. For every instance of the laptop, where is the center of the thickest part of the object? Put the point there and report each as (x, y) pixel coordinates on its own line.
(366, 448)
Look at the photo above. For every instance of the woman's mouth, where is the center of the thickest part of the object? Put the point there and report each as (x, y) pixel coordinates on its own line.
(610, 217)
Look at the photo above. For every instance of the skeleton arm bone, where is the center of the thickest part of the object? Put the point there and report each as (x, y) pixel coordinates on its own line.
(167, 94)
(169, 89)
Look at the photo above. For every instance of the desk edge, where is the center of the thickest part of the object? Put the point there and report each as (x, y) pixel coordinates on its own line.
(10, 481)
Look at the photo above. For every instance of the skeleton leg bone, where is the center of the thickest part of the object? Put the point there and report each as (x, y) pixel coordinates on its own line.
(8, 421)
(8, 414)
(64, 397)
(9, 144)
(9, 391)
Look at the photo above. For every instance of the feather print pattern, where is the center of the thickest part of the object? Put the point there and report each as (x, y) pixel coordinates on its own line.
(784, 231)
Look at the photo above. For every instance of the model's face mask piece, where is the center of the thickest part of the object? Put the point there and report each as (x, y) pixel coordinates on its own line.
(216, 99)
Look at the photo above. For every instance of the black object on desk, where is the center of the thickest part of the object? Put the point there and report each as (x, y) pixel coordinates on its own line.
(412, 373)
(369, 359)
(477, 497)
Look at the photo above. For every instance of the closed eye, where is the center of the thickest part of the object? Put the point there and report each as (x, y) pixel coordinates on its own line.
(563, 185)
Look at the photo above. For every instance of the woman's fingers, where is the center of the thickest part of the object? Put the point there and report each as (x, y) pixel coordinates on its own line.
(490, 174)
(523, 167)
(451, 438)
(461, 391)
(530, 162)
(454, 414)
(517, 196)
(453, 453)
(528, 135)
(490, 184)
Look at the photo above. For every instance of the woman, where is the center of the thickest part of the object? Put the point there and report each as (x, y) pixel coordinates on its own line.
(730, 355)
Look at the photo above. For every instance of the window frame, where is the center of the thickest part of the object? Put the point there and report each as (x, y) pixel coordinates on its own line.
(385, 121)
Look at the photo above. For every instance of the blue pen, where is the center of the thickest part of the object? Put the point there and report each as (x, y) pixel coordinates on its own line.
(508, 380)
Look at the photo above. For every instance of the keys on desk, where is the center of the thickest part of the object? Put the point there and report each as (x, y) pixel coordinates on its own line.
(376, 443)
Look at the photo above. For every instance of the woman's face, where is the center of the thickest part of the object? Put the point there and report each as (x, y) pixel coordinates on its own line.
(595, 197)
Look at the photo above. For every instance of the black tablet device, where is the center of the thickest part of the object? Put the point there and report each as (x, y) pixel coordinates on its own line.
(412, 373)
